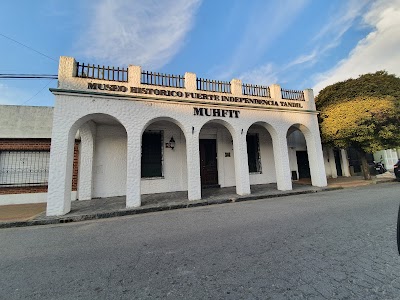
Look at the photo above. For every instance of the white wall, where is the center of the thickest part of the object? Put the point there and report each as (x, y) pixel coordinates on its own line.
(25, 121)
(12, 199)
(296, 142)
(109, 164)
(174, 164)
(268, 173)
(389, 157)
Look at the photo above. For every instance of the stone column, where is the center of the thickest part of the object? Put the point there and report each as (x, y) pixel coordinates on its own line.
(236, 87)
(133, 173)
(134, 75)
(190, 81)
(345, 163)
(193, 164)
(309, 99)
(60, 173)
(242, 176)
(85, 181)
(315, 157)
(275, 91)
(281, 157)
(332, 162)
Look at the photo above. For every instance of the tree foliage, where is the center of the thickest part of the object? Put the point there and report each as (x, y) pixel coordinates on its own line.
(363, 113)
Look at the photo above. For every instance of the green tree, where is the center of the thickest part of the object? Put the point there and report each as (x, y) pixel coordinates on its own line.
(362, 113)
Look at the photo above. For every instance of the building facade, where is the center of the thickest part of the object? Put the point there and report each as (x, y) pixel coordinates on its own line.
(143, 132)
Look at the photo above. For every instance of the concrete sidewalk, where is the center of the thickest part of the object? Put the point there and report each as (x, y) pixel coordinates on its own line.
(34, 214)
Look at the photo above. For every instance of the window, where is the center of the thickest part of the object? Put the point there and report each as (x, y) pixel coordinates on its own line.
(253, 153)
(24, 168)
(152, 154)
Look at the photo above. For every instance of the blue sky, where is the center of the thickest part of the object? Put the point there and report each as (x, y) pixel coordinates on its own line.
(295, 43)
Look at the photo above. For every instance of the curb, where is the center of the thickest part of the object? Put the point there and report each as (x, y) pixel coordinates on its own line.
(143, 210)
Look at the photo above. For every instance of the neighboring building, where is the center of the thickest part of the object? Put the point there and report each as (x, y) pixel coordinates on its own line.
(25, 135)
(137, 132)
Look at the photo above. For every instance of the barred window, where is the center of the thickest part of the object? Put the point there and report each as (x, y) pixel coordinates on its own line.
(253, 153)
(152, 154)
(24, 168)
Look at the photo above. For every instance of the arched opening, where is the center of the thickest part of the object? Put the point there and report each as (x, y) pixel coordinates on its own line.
(298, 153)
(103, 158)
(217, 165)
(260, 154)
(163, 157)
(102, 143)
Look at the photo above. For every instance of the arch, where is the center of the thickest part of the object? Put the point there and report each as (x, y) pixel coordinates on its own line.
(164, 165)
(311, 157)
(61, 157)
(230, 157)
(271, 129)
(168, 119)
(261, 139)
(99, 117)
(221, 122)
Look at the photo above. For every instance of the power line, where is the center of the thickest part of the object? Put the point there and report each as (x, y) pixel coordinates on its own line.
(37, 92)
(30, 48)
(28, 76)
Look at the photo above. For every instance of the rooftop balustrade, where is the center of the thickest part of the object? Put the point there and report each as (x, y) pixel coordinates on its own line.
(135, 75)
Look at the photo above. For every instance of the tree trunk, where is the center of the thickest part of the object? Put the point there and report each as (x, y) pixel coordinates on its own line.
(364, 164)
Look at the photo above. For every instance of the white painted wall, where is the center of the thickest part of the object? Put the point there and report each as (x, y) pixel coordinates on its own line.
(12, 199)
(389, 158)
(109, 164)
(268, 172)
(174, 164)
(25, 121)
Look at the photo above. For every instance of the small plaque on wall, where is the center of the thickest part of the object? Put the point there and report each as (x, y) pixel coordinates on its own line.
(227, 154)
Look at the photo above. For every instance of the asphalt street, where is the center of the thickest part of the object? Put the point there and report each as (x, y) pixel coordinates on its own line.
(330, 245)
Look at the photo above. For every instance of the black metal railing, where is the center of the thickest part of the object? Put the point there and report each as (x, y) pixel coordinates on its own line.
(213, 85)
(102, 72)
(153, 78)
(256, 90)
(292, 95)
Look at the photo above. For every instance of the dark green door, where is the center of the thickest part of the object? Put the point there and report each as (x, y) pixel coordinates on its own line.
(303, 164)
(208, 162)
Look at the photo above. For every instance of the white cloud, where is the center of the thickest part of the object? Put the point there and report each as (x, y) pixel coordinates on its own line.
(146, 33)
(379, 50)
(264, 75)
(260, 33)
(327, 38)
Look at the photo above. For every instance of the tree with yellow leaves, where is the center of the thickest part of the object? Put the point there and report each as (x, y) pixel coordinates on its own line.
(362, 113)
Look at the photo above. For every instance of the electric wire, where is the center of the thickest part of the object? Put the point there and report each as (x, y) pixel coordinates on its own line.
(38, 92)
(28, 76)
(30, 48)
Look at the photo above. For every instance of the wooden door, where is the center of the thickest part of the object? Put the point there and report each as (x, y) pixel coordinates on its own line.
(303, 164)
(208, 162)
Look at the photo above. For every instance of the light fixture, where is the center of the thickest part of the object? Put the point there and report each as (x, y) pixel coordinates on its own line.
(192, 129)
(171, 143)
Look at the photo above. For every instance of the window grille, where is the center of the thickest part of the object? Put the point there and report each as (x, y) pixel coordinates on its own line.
(24, 168)
(152, 154)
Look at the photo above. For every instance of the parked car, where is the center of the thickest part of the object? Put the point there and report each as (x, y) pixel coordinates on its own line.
(397, 170)
(398, 228)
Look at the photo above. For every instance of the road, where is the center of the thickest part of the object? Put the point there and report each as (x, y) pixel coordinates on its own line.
(330, 245)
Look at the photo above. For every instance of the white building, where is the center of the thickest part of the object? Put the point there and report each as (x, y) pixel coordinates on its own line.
(140, 132)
